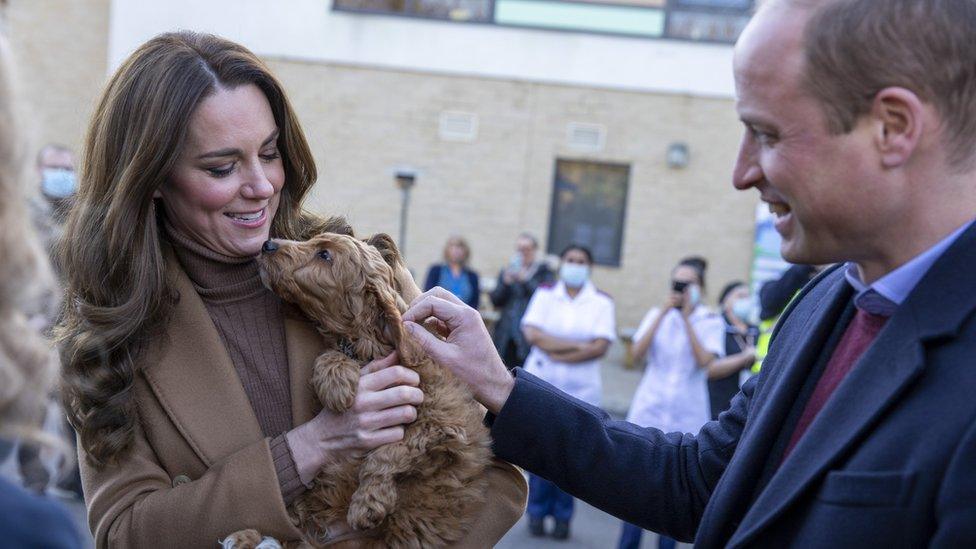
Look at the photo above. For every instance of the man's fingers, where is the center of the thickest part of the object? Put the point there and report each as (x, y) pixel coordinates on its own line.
(380, 364)
(437, 327)
(389, 398)
(437, 291)
(427, 341)
(432, 306)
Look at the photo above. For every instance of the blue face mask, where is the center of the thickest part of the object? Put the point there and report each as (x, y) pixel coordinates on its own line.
(694, 295)
(58, 183)
(574, 275)
(742, 309)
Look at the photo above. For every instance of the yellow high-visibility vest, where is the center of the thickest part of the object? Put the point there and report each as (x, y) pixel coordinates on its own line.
(766, 328)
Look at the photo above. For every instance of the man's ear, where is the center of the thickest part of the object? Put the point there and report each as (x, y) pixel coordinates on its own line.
(900, 121)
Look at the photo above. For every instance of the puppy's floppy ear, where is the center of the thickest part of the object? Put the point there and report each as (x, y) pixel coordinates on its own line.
(387, 248)
(405, 284)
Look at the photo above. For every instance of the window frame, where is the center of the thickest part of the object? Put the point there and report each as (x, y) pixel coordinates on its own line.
(668, 8)
(629, 168)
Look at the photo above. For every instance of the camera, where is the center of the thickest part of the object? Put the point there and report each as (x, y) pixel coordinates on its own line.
(679, 287)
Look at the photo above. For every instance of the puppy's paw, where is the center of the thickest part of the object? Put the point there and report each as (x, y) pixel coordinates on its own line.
(335, 380)
(249, 539)
(368, 511)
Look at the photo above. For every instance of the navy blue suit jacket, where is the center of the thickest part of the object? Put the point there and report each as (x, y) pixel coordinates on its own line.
(890, 461)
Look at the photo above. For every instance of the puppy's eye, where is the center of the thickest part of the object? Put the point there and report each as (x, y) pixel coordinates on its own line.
(326, 255)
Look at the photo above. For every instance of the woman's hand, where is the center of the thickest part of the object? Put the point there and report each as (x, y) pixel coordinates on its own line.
(674, 300)
(386, 400)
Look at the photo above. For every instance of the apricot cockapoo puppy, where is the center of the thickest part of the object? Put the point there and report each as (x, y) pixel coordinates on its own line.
(419, 492)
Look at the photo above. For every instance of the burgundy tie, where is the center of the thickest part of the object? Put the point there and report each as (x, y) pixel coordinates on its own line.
(857, 338)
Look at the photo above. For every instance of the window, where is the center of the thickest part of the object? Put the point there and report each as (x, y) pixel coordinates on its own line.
(588, 204)
(454, 10)
(700, 20)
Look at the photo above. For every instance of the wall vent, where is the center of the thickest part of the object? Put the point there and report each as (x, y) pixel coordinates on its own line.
(586, 137)
(458, 126)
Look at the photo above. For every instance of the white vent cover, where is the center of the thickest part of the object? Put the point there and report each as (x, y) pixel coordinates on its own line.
(587, 137)
(458, 126)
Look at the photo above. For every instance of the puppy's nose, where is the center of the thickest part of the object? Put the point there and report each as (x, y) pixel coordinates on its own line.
(269, 246)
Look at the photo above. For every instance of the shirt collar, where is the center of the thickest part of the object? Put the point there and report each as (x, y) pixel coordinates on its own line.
(585, 291)
(889, 291)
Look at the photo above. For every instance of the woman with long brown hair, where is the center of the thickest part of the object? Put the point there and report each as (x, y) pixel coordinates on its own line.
(187, 379)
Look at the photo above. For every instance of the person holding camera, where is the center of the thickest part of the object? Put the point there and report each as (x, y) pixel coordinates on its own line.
(516, 285)
(678, 342)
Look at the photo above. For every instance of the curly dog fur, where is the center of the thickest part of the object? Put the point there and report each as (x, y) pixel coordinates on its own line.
(415, 493)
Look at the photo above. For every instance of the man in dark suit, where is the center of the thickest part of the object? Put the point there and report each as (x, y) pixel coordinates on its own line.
(860, 430)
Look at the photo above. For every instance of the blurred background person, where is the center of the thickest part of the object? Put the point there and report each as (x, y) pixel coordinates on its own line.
(570, 326)
(516, 284)
(453, 274)
(677, 341)
(774, 296)
(27, 363)
(58, 185)
(740, 351)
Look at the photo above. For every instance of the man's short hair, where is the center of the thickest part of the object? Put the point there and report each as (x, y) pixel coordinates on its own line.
(856, 48)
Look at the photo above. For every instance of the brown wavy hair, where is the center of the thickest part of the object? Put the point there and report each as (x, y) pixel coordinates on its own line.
(112, 254)
(27, 363)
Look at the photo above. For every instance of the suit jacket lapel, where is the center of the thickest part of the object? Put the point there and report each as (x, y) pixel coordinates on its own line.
(885, 370)
(193, 378)
(934, 311)
(787, 366)
(304, 345)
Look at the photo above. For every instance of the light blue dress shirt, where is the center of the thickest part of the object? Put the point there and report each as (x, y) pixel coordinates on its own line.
(889, 291)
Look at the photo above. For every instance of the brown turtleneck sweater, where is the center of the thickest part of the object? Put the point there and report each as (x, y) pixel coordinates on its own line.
(250, 321)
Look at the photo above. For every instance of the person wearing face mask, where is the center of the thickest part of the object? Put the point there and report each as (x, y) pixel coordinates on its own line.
(678, 342)
(516, 284)
(740, 346)
(56, 170)
(570, 325)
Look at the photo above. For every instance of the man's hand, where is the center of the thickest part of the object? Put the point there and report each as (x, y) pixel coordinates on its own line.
(467, 349)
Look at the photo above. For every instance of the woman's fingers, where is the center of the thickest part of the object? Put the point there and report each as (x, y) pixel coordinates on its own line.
(381, 363)
(375, 439)
(389, 376)
(390, 417)
(389, 398)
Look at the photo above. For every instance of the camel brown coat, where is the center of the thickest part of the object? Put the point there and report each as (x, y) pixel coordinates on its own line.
(199, 466)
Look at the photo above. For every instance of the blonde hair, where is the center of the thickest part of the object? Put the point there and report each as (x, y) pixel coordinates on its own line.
(27, 363)
(457, 240)
(118, 292)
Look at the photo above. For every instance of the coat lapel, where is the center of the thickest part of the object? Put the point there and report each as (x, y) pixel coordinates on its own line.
(193, 378)
(934, 311)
